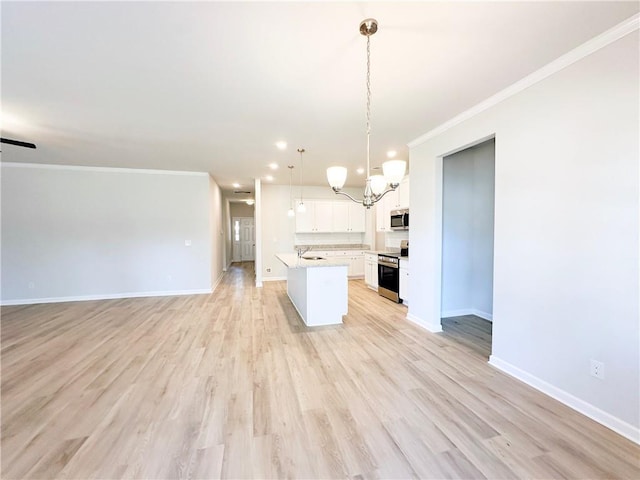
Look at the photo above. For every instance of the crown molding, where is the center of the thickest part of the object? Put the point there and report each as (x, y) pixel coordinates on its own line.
(596, 43)
(49, 166)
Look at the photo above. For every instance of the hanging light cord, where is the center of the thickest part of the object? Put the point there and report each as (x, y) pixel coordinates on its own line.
(368, 101)
(301, 151)
(290, 183)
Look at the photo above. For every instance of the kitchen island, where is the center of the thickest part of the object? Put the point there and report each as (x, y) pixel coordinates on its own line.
(318, 288)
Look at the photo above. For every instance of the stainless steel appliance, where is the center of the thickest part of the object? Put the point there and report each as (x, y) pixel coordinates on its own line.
(389, 276)
(400, 219)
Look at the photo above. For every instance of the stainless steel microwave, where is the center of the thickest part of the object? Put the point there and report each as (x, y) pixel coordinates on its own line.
(400, 219)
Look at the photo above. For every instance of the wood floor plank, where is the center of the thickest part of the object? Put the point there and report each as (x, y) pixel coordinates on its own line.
(234, 385)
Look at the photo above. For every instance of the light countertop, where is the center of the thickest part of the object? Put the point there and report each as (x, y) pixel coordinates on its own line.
(291, 260)
(333, 247)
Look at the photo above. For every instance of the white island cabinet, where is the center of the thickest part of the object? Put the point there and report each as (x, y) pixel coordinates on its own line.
(318, 289)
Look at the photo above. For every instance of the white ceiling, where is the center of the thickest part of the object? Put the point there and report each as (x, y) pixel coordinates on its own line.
(211, 86)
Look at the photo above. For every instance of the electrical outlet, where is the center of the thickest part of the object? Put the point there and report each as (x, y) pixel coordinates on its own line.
(268, 270)
(597, 369)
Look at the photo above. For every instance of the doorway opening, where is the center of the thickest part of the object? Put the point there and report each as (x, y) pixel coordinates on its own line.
(244, 239)
(468, 199)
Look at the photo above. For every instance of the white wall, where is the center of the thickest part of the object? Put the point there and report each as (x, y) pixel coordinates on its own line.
(241, 209)
(76, 232)
(278, 230)
(567, 211)
(216, 232)
(227, 232)
(467, 232)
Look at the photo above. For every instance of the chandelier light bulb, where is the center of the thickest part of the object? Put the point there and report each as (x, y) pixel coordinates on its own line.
(336, 176)
(291, 213)
(393, 170)
(378, 184)
(302, 207)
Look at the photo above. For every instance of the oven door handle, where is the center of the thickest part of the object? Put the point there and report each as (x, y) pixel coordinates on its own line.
(391, 265)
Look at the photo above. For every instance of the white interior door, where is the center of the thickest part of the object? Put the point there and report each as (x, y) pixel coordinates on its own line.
(244, 239)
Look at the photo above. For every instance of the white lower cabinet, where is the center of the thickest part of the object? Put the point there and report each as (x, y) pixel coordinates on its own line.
(354, 257)
(371, 270)
(404, 281)
(356, 266)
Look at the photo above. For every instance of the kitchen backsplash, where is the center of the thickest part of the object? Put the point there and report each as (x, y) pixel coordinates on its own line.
(393, 239)
(329, 239)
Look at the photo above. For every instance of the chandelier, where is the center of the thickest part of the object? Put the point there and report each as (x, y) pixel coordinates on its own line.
(393, 170)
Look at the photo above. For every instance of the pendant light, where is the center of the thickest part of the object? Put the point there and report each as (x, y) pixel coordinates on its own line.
(291, 212)
(301, 206)
(393, 170)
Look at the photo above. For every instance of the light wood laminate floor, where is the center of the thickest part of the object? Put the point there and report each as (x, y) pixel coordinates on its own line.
(471, 331)
(232, 385)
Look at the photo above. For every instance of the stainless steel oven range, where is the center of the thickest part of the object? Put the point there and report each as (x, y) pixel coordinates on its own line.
(389, 276)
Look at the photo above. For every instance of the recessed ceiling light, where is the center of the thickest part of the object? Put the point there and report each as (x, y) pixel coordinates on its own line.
(273, 166)
(360, 171)
(391, 153)
(235, 185)
(269, 178)
(282, 145)
(250, 202)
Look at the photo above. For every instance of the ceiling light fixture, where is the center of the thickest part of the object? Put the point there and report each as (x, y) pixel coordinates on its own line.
(301, 207)
(291, 212)
(391, 153)
(393, 170)
(269, 178)
(250, 201)
(273, 166)
(235, 185)
(360, 171)
(281, 145)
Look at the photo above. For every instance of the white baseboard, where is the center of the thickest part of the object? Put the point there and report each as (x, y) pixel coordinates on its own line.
(217, 282)
(617, 425)
(484, 315)
(108, 296)
(273, 279)
(426, 325)
(467, 311)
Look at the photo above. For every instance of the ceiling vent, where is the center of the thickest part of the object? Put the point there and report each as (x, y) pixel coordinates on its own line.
(242, 192)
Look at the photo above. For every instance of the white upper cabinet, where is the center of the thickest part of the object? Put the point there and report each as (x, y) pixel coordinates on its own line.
(318, 217)
(383, 222)
(403, 193)
(399, 199)
(356, 217)
(348, 217)
(330, 216)
(391, 200)
(323, 216)
(340, 217)
(305, 221)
